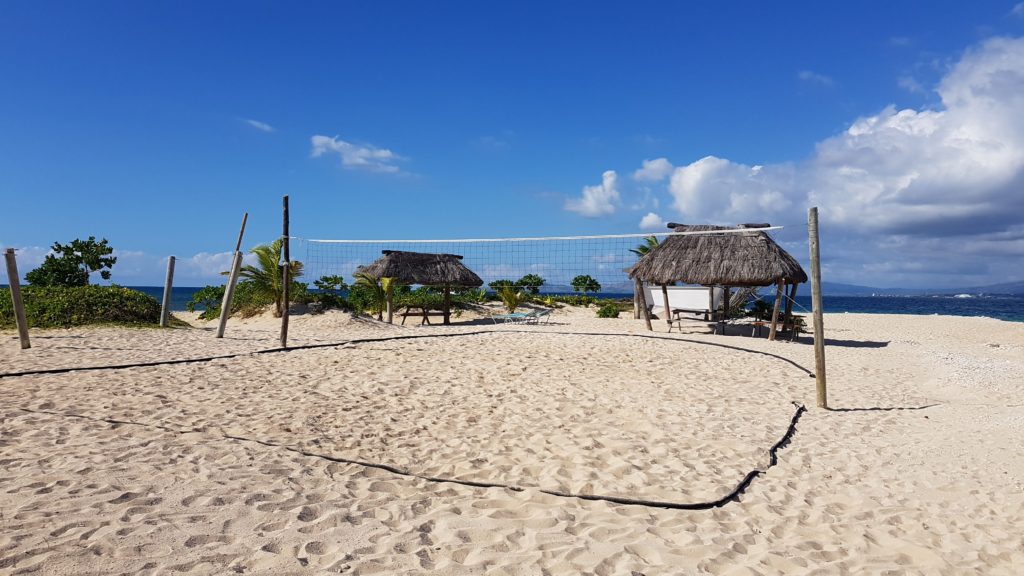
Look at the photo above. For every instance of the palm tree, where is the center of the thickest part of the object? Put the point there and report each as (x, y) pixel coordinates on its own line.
(650, 243)
(265, 277)
(512, 297)
(378, 290)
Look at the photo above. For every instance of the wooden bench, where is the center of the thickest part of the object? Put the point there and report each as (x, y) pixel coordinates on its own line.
(423, 312)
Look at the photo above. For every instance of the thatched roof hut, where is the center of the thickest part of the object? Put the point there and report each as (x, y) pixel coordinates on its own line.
(735, 259)
(423, 268)
(443, 270)
(750, 258)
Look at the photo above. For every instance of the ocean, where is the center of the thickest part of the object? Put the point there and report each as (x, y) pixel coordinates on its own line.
(1002, 307)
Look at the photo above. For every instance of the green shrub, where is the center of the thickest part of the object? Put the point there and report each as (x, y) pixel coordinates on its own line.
(209, 299)
(64, 307)
(609, 310)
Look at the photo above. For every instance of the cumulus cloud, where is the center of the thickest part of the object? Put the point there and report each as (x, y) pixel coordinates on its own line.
(897, 183)
(652, 221)
(599, 200)
(261, 126)
(653, 170)
(815, 78)
(354, 156)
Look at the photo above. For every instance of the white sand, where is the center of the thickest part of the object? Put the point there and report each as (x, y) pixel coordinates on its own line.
(196, 468)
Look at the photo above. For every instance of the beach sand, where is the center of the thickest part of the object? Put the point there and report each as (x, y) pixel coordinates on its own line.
(327, 460)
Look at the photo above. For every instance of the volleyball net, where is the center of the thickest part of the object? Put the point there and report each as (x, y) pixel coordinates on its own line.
(558, 260)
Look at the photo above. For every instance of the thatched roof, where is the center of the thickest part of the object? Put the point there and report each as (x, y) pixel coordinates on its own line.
(425, 269)
(737, 259)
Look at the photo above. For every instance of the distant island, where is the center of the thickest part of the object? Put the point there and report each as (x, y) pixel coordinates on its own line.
(838, 289)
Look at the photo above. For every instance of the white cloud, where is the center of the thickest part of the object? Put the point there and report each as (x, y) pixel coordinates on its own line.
(718, 190)
(261, 126)
(356, 157)
(1018, 10)
(652, 221)
(906, 178)
(600, 200)
(653, 170)
(815, 78)
(910, 84)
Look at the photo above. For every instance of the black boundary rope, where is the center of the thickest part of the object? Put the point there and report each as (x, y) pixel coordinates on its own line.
(732, 496)
(372, 340)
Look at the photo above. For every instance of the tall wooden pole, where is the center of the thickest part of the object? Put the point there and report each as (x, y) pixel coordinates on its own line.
(779, 289)
(19, 307)
(165, 304)
(636, 299)
(819, 321)
(229, 294)
(238, 245)
(285, 279)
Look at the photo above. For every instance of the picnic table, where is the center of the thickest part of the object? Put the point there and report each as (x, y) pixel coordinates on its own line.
(425, 312)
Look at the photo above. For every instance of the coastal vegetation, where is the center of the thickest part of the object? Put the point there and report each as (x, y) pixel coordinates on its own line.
(68, 306)
(71, 264)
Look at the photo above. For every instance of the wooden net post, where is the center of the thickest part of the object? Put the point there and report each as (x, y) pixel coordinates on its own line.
(819, 321)
(285, 279)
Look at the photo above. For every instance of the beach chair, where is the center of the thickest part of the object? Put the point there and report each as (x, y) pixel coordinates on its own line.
(514, 318)
(542, 316)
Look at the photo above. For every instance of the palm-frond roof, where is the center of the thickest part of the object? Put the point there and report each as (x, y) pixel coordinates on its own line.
(423, 268)
(749, 258)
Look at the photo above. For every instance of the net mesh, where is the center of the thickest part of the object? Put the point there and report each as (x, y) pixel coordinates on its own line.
(558, 260)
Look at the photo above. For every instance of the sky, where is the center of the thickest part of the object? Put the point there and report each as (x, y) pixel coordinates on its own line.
(157, 124)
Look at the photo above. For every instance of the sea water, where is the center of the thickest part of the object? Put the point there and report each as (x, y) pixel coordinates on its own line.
(1001, 307)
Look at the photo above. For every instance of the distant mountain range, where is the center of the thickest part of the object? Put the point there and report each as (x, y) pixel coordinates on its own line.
(837, 289)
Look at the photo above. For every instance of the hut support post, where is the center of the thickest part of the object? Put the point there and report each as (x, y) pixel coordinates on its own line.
(668, 310)
(447, 304)
(642, 296)
(819, 322)
(389, 302)
(725, 307)
(19, 307)
(789, 304)
(165, 304)
(285, 278)
(229, 293)
(780, 288)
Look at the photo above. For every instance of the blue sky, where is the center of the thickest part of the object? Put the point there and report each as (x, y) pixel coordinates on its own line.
(156, 124)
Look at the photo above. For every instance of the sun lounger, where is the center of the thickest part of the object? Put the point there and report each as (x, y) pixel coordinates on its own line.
(542, 316)
(514, 318)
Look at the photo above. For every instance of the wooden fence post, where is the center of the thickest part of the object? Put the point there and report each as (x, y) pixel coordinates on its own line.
(165, 304)
(229, 293)
(819, 322)
(19, 307)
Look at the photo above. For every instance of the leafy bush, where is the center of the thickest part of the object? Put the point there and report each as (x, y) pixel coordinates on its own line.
(63, 307)
(572, 300)
(209, 298)
(609, 310)
(760, 310)
(499, 284)
(584, 283)
(512, 297)
(531, 283)
(331, 292)
(248, 300)
(71, 264)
